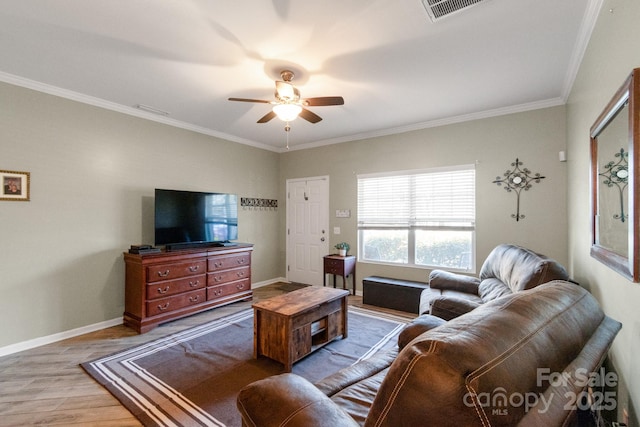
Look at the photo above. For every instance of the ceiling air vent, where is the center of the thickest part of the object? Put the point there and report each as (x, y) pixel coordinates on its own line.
(438, 9)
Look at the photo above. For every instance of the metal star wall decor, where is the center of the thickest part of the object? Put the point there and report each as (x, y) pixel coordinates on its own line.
(517, 180)
(617, 175)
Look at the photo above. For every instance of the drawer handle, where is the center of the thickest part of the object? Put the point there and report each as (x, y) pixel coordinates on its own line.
(163, 307)
(240, 273)
(194, 268)
(240, 260)
(194, 299)
(217, 264)
(163, 291)
(163, 273)
(217, 292)
(240, 286)
(193, 284)
(218, 278)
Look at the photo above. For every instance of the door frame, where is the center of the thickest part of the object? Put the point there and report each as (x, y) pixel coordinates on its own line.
(288, 250)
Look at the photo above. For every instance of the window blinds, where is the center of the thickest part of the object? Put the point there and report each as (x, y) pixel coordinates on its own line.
(435, 198)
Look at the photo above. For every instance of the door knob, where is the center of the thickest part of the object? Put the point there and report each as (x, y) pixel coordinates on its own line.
(322, 239)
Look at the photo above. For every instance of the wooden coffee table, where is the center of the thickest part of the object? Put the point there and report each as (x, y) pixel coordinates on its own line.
(290, 326)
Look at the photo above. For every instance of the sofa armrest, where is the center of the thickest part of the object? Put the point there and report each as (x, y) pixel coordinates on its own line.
(439, 279)
(448, 308)
(289, 400)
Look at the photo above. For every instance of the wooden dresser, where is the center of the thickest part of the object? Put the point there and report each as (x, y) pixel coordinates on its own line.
(168, 285)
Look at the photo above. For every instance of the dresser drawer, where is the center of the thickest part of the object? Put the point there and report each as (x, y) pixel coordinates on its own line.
(225, 276)
(172, 287)
(165, 305)
(229, 261)
(156, 273)
(221, 291)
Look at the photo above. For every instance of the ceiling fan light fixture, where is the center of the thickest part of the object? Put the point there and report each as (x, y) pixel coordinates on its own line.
(287, 112)
(286, 91)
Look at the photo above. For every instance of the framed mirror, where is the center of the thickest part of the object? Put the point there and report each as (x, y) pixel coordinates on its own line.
(615, 137)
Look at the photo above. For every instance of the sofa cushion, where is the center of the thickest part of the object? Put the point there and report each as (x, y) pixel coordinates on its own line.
(356, 400)
(447, 307)
(491, 289)
(520, 268)
(352, 374)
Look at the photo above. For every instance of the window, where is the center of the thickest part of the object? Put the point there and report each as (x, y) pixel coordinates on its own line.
(418, 218)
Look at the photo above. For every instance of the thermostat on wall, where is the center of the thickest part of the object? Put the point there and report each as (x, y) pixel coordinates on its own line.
(343, 213)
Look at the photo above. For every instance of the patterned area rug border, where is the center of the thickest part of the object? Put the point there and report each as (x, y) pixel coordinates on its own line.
(156, 403)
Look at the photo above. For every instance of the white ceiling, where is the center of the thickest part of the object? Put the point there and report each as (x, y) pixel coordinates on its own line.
(396, 69)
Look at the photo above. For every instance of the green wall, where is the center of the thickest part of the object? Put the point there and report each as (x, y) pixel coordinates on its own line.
(612, 53)
(93, 175)
(492, 144)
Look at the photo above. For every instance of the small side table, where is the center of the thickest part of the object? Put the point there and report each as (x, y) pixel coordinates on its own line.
(340, 266)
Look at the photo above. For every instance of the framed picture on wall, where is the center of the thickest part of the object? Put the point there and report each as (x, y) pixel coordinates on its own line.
(15, 185)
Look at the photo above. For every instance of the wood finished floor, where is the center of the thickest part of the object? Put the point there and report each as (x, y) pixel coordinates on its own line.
(45, 386)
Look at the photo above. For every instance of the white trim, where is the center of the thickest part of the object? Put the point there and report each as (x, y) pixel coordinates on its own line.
(131, 111)
(537, 105)
(268, 282)
(98, 102)
(49, 339)
(586, 28)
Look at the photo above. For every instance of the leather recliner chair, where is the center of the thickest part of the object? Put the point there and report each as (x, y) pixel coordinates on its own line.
(507, 269)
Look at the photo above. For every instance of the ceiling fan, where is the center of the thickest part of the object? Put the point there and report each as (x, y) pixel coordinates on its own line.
(288, 105)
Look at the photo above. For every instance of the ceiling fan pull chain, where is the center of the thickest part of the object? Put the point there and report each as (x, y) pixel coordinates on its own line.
(287, 128)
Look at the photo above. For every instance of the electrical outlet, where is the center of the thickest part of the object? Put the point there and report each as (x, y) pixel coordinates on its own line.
(336, 230)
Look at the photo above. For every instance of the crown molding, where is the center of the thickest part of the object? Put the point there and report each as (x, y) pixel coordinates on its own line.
(584, 35)
(131, 111)
(554, 102)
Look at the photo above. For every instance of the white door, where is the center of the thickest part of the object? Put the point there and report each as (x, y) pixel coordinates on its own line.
(307, 229)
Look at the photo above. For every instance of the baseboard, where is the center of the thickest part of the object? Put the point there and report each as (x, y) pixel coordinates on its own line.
(49, 339)
(268, 282)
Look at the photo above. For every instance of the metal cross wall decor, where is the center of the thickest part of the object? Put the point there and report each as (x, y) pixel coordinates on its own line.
(617, 175)
(517, 180)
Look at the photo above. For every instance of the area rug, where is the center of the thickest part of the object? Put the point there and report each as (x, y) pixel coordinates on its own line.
(192, 378)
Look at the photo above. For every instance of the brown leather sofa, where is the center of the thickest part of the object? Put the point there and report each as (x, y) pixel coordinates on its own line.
(507, 269)
(492, 366)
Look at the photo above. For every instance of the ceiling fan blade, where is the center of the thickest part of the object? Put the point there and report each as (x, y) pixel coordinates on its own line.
(270, 115)
(323, 101)
(250, 100)
(309, 116)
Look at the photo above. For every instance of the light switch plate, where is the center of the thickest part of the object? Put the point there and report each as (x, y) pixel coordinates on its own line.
(343, 213)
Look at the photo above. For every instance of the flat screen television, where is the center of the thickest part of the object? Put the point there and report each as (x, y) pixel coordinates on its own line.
(191, 218)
